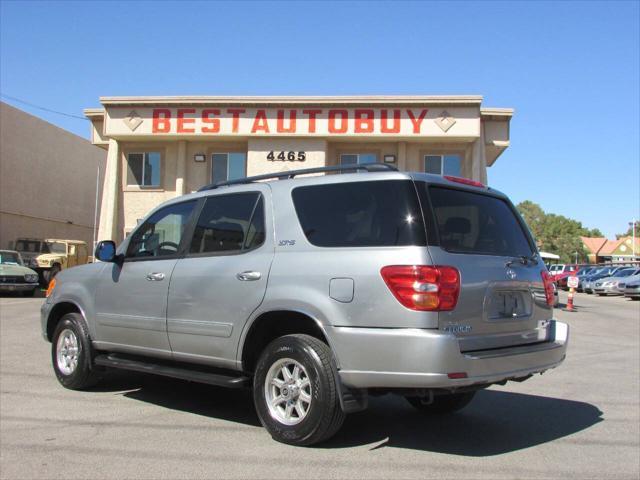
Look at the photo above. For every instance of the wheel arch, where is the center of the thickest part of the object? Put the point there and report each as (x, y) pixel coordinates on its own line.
(268, 326)
(59, 310)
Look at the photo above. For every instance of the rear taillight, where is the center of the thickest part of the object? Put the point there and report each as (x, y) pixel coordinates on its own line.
(421, 287)
(548, 286)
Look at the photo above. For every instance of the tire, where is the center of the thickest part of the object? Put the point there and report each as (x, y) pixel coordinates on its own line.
(443, 403)
(321, 416)
(72, 355)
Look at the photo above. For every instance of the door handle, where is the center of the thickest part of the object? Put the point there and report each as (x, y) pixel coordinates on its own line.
(155, 276)
(248, 276)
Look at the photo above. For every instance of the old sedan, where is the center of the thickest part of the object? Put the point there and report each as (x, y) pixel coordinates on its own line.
(14, 276)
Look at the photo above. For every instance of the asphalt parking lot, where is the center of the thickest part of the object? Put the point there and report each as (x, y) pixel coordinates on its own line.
(578, 421)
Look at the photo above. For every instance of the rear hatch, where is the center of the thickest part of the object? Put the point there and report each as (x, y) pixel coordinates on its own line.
(502, 299)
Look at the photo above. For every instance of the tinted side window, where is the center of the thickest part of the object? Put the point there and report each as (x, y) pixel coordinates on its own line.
(161, 234)
(360, 214)
(225, 224)
(469, 222)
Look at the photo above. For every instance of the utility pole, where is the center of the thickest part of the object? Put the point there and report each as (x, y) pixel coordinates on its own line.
(633, 238)
(95, 208)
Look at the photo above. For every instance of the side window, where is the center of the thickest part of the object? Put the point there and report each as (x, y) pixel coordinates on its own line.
(229, 223)
(360, 214)
(161, 234)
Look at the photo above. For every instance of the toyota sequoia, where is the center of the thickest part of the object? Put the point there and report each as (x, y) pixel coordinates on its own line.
(316, 292)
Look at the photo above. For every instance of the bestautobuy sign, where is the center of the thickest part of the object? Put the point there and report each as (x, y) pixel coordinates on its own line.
(308, 121)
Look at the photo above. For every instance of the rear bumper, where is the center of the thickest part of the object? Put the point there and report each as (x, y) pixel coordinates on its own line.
(416, 358)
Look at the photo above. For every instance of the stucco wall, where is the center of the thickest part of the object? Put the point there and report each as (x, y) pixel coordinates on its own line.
(47, 179)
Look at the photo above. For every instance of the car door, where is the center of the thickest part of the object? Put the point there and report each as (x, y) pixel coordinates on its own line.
(131, 296)
(222, 278)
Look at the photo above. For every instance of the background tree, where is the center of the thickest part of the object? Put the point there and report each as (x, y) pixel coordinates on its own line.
(557, 233)
(629, 233)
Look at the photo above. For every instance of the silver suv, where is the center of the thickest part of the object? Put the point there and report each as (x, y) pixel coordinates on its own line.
(316, 292)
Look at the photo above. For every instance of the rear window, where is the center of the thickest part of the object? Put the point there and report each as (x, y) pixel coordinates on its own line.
(469, 222)
(360, 214)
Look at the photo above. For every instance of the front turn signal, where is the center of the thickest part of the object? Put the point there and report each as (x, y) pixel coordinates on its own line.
(52, 285)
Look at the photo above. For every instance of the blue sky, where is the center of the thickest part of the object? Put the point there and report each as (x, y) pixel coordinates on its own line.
(571, 71)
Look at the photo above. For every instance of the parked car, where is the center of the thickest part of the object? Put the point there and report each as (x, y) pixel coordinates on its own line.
(632, 290)
(563, 270)
(609, 285)
(622, 284)
(556, 268)
(50, 256)
(14, 276)
(315, 292)
(590, 280)
(582, 272)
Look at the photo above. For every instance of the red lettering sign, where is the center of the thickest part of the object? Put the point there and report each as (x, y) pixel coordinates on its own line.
(161, 120)
(417, 121)
(183, 122)
(344, 121)
(260, 122)
(312, 119)
(207, 120)
(364, 121)
(236, 118)
(280, 128)
(384, 126)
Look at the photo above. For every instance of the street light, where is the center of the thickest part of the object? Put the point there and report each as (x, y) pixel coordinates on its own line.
(633, 237)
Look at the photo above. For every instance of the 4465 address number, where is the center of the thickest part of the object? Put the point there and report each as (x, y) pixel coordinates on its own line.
(286, 156)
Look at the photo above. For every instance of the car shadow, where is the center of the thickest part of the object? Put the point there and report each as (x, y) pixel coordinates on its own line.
(496, 422)
(233, 405)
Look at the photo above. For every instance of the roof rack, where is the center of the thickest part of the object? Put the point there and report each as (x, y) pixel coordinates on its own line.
(368, 167)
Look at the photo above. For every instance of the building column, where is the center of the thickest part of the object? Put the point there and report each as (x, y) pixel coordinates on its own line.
(181, 168)
(108, 229)
(402, 156)
(479, 159)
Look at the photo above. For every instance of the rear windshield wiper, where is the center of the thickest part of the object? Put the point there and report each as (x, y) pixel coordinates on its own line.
(524, 260)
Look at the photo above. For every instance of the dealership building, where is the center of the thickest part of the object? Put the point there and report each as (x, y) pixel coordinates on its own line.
(162, 147)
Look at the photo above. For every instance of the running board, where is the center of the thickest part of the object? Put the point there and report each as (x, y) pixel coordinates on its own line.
(123, 362)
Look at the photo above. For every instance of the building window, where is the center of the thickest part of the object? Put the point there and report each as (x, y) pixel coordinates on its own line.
(143, 169)
(228, 166)
(357, 158)
(443, 164)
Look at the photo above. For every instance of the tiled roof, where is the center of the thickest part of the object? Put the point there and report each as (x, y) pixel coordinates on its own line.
(610, 246)
(594, 244)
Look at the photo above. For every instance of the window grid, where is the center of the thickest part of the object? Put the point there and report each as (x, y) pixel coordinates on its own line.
(145, 158)
(229, 171)
(358, 158)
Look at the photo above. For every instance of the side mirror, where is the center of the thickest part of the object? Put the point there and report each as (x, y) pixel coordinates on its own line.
(106, 251)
